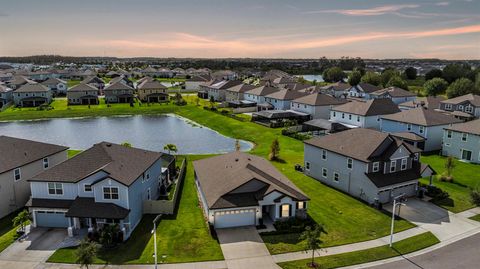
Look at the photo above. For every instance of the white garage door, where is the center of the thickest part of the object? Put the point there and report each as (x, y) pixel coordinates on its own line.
(234, 218)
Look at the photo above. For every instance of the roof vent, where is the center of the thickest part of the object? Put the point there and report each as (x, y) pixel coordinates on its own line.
(236, 159)
(109, 145)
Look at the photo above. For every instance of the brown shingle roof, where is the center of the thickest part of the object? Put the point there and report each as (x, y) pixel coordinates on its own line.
(16, 152)
(82, 88)
(123, 164)
(262, 90)
(51, 81)
(394, 92)
(84, 207)
(319, 99)
(240, 88)
(471, 127)
(32, 87)
(119, 85)
(151, 85)
(367, 87)
(222, 174)
(421, 116)
(286, 94)
(372, 107)
(474, 99)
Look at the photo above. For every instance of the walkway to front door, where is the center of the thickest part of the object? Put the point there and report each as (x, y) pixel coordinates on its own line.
(243, 248)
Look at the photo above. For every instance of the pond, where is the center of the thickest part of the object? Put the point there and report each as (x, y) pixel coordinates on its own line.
(147, 132)
(317, 78)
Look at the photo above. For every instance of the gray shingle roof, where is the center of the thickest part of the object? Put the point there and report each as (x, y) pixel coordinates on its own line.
(286, 94)
(474, 99)
(423, 117)
(262, 90)
(319, 99)
(471, 127)
(119, 85)
(32, 87)
(394, 92)
(372, 107)
(241, 88)
(82, 88)
(84, 207)
(151, 85)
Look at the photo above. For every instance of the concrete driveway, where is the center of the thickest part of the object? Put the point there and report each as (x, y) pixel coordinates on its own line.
(243, 248)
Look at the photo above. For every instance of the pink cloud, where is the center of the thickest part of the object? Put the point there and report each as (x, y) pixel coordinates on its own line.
(381, 10)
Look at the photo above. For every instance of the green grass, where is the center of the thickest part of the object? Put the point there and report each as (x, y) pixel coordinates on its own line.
(171, 79)
(465, 176)
(8, 233)
(71, 83)
(475, 218)
(402, 247)
(73, 152)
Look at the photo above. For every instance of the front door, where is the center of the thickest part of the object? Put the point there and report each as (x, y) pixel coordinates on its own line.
(466, 155)
(83, 223)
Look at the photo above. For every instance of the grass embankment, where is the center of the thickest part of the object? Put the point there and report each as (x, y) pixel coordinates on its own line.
(8, 233)
(402, 247)
(465, 177)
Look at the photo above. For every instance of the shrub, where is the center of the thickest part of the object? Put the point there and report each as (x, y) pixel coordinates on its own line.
(291, 225)
(437, 193)
(475, 196)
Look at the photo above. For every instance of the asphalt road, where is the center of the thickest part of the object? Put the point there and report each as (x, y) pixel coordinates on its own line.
(462, 254)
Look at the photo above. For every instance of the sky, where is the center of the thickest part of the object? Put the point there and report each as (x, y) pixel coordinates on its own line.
(446, 29)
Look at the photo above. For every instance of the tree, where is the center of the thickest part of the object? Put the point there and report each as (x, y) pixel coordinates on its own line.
(435, 86)
(237, 145)
(388, 74)
(274, 150)
(354, 77)
(452, 72)
(372, 78)
(197, 101)
(127, 144)
(170, 148)
(475, 196)
(212, 102)
(434, 73)
(477, 82)
(86, 252)
(449, 166)
(397, 81)
(411, 73)
(109, 235)
(460, 87)
(313, 241)
(21, 220)
(333, 74)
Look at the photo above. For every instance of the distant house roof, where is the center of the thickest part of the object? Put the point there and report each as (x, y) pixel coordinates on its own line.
(16, 152)
(225, 84)
(121, 163)
(53, 81)
(35, 87)
(220, 176)
(471, 127)
(338, 86)
(429, 102)
(366, 87)
(394, 92)
(409, 136)
(474, 99)
(200, 78)
(93, 79)
(82, 88)
(240, 88)
(286, 94)
(319, 99)
(283, 80)
(262, 91)
(423, 117)
(372, 107)
(151, 85)
(119, 85)
(4, 88)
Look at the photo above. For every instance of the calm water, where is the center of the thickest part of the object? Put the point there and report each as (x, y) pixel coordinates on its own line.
(147, 132)
(318, 78)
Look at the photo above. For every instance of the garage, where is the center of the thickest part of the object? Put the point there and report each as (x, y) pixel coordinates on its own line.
(385, 196)
(234, 218)
(51, 219)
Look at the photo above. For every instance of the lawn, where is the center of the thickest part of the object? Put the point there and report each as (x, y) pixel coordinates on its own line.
(465, 176)
(73, 152)
(8, 233)
(71, 83)
(475, 218)
(402, 247)
(346, 219)
(181, 238)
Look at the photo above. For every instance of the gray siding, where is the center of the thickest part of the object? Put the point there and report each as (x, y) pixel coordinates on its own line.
(453, 146)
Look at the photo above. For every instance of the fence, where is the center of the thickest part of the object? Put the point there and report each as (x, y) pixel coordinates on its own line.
(167, 206)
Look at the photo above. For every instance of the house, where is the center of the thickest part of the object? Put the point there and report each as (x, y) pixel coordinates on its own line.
(152, 91)
(21, 159)
(280, 100)
(317, 105)
(239, 189)
(82, 94)
(225, 75)
(462, 141)
(217, 90)
(364, 114)
(18, 81)
(428, 124)
(465, 106)
(32, 95)
(429, 102)
(193, 83)
(119, 92)
(283, 81)
(367, 164)
(105, 184)
(258, 94)
(57, 86)
(94, 81)
(236, 93)
(362, 90)
(338, 89)
(6, 95)
(397, 95)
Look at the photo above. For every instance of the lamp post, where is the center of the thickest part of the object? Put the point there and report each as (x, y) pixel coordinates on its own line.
(400, 199)
(154, 231)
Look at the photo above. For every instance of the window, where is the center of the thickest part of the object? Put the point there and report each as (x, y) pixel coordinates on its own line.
(469, 109)
(110, 193)
(464, 137)
(55, 188)
(349, 163)
(404, 164)
(393, 166)
(336, 176)
(460, 107)
(466, 155)
(421, 129)
(87, 188)
(376, 166)
(149, 194)
(285, 211)
(301, 205)
(45, 163)
(449, 134)
(358, 118)
(343, 115)
(324, 172)
(409, 127)
(16, 174)
(307, 166)
(350, 116)
(324, 154)
(448, 106)
(416, 157)
(447, 144)
(334, 114)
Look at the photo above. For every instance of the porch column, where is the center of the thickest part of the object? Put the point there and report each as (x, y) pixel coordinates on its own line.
(90, 228)
(70, 227)
(124, 231)
(34, 217)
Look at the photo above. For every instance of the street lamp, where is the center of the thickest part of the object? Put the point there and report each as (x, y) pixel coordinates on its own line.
(400, 199)
(154, 232)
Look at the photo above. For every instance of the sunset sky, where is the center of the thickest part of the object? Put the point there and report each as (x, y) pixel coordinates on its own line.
(242, 28)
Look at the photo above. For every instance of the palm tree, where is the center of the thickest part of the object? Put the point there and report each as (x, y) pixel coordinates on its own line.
(86, 252)
(21, 219)
(313, 242)
(170, 148)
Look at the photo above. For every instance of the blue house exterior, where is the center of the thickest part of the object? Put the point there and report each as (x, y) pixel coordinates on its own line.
(462, 141)
(103, 185)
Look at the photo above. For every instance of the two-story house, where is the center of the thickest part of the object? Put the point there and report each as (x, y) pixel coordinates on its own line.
(6, 95)
(239, 189)
(367, 164)
(426, 123)
(21, 159)
(152, 91)
(94, 81)
(465, 106)
(119, 92)
(338, 89)
(105, 184)
(362, 90)
(280, 100)
(462, 141)
(236, 93)
(317, 105)
(428, 102)
(82, 94)
(397, 95)
(193, 83)
(32, 95)
(258, 94)
(57, 86)
(217, 91)
(363, 114)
